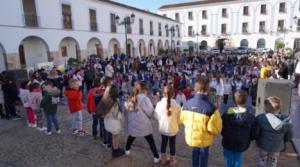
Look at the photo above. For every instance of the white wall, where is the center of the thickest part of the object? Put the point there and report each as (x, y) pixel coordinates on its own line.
(13, 31)
(35, 51)
(235, 20)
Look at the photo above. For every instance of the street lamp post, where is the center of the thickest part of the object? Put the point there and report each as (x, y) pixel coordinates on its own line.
(172, 30)
(197, 35)
(127, 21)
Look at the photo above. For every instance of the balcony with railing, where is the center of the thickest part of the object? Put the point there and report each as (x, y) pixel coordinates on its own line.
(245, 31)
(31, 20)
(67, 21)
(94, 26)
(113, 28)
(129, 30)
(262, 30)
(141, 31)
(151, 32)
(160, 33)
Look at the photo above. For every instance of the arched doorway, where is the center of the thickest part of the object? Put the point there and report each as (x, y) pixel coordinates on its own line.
(68, 48)
(2, 59)
(261, 43)
(191, 46)
(167, 47)
(160, 45)
(33, 50)
(297, 44)
(114, 47)
(223, 43)
(244, 43)
(279, 43)
(178, 46)
(151, 48)
(203, 45)
(94, 47)
(173, 45)
(142, 48)
(130, 48)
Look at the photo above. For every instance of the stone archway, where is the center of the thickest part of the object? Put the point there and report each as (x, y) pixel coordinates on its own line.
(130, 51)
(151, 48)
(141, 48)
(68, 48)
(114, 47)
(178, 46)
(261, 43)
(95, 47)
(167, 45)
(279, 43)
(191, 46)
(203, 45)
(244, 43)
(160, 45)
(223, 43)
(3, 62)
(33, 50)
(173, 45)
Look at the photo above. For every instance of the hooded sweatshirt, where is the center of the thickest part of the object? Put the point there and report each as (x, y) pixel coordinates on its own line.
(238, 128)
(273, 131)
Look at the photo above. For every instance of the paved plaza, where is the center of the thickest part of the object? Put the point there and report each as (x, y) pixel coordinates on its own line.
(26, 147)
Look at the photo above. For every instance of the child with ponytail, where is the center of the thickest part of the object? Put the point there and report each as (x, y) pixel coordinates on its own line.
(167, 113)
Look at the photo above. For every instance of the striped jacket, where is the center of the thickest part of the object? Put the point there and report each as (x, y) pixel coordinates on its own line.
(201, 120)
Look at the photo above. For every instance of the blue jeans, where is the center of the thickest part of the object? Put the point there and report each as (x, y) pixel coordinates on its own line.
(107, 137)
(232, 158)
(200, 157)
(96, 121)
(51, 118)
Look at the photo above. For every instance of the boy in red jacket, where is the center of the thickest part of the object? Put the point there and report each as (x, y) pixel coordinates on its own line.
(93, 98)
(74, 96)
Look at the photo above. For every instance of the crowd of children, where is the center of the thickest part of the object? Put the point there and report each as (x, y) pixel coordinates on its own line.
(128, 94)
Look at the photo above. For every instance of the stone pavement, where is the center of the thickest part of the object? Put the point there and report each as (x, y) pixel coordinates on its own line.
(296, 121)
(26, 147)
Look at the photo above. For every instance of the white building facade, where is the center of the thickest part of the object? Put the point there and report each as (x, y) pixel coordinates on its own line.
(247, 23)
(38, 31)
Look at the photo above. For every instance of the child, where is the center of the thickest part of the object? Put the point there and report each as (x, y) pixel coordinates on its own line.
(155, 98)
(24, 96)
(227, 90)
(167, 112)
(202, 123)
(92, 100)
(74, 96)
(273, 130)
(180, 98)
(113, 121)
(35, 98)
(238, 130)
(49, 105)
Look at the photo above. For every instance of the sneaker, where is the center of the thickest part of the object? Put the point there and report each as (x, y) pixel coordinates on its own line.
(43, 129)
(58, 131)
(156, 160)
(48, 133)
(15, 118)
(118, 153)
(82, 133)
(127, 152)
(29, 125)
(108, 146)
(104, 145)
(33, 125)
(75, 132)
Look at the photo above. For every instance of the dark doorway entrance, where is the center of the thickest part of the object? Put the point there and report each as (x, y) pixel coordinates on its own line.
(22, 57)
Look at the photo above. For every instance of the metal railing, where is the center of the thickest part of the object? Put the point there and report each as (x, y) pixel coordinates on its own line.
(31, 20)
(113, 28)
(141, 31)
(94, 26)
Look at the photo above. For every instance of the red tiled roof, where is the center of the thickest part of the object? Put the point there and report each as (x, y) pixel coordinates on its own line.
(204, 2)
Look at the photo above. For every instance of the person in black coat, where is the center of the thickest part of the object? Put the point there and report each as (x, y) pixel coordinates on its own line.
(253, 91)
(238, 130)
(10, 92)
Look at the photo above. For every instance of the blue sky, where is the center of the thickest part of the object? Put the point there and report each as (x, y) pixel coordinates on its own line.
(152, 5)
